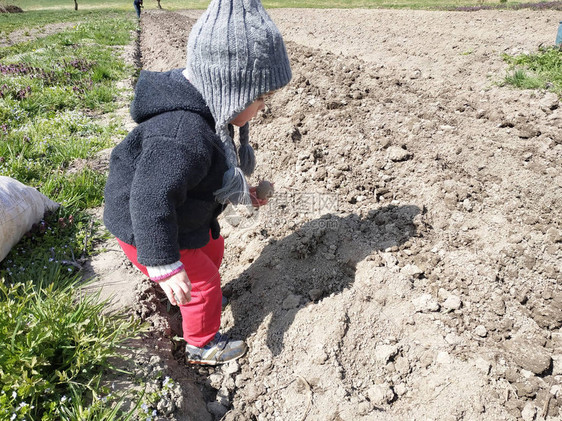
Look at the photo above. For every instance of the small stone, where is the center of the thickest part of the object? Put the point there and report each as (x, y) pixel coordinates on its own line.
(443, 294)
(216, 409)
(453, 302)
(425, 303)
(453, 339)
(526, 388)
(240, 381)
(480, 331)
(402, 365)
(549, 102)
(529, 412)
(320, 358)
(553, 235)
(229, 384)
(215, 380)
(292, 301)
(383, 353)
(411, 270)
(426, 359)
(443, 358)
(529, 261)
(483, 365)
(400, 389)
(264, 190)
(380, 394)
(415, 74)
(363, 408)
(529, 355)
(498, 305)
(548, 312)
(155, 359)
(397, 154)
(315, 294)
(223, 397)
(511, 375)
(231, 367)
(528, 132)
(451, 199)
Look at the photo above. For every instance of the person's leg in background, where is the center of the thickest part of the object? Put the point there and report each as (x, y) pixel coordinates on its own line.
(137, 8)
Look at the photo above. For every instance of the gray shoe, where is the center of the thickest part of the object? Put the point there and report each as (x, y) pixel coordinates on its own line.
(219, 351)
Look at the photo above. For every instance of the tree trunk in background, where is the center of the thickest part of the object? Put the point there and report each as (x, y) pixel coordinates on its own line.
(160, 7)
(75, 5)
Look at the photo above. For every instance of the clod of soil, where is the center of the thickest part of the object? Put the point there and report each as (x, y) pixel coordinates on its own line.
(264, 190)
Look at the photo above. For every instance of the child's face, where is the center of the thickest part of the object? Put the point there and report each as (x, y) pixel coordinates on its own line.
(249, 112)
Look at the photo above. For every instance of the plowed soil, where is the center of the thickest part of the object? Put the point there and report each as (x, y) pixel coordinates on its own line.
(409, 265)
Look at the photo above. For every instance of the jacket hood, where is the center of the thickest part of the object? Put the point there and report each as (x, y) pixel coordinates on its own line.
(160, 92)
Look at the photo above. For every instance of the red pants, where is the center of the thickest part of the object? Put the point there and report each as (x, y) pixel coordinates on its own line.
(201, 317)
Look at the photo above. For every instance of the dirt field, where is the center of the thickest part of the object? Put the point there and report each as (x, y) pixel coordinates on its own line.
(409, 266)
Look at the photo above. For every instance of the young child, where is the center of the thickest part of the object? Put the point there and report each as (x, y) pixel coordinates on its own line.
(178, 169)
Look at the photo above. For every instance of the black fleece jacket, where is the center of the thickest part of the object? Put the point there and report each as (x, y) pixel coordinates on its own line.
(159, 193)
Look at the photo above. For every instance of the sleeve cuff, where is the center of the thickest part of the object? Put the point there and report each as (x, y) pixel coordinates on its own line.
(159, 273)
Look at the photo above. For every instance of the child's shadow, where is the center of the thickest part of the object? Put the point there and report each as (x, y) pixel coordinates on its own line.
(317, 260)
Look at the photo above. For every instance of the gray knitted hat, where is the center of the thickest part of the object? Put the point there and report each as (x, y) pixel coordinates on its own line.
(235, 54)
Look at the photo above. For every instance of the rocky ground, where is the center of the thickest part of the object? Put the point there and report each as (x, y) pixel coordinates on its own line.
(409, 265)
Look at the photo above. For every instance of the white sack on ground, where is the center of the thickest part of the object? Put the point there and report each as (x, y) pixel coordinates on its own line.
(21, 206)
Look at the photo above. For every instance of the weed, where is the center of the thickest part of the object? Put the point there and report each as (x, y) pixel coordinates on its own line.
(541, 70)
(53, 349)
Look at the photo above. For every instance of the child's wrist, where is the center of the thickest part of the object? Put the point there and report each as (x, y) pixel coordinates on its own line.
(163, 272)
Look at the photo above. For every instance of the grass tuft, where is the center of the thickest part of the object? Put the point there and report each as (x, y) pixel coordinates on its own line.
(54, 348)
(541, 70)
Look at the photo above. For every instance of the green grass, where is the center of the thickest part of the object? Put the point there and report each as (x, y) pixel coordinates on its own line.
(540, 70)
(36, 17)
(55, 343)
(49, 90)
(53, 351)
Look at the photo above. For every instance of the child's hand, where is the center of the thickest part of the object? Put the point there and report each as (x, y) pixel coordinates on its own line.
(261, 193)
(255, 201)
(177, 288)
